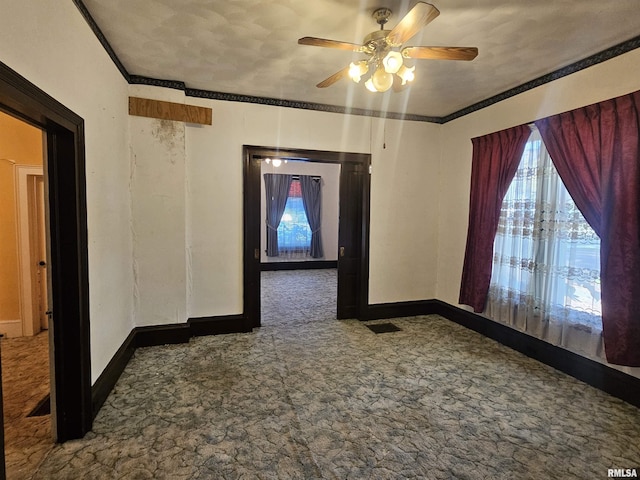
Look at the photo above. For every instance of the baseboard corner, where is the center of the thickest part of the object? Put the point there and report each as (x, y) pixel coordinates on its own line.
(110, 375)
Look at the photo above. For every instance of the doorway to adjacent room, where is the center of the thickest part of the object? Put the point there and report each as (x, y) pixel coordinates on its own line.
(67, 264)
(353, 228)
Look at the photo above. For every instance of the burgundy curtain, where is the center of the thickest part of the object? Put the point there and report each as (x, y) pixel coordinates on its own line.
(495, 161)
(596, 152)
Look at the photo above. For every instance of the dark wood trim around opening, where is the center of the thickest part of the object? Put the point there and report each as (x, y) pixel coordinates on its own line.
(252, 156)
(68, 263)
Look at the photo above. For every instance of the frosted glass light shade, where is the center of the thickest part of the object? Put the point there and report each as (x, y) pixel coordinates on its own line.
(369, 85)
(356, 70)
(382, 80)
(392, 62)
(406, 74)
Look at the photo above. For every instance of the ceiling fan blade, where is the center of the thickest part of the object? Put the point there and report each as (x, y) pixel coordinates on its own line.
(322, 42)
(327, 82)
(418, 17)
(441, 53)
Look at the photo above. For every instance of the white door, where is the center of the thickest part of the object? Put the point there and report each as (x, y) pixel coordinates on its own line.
(41, 253)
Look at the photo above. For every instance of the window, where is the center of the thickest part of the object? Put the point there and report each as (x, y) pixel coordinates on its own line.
(294, 233)
(546, 264)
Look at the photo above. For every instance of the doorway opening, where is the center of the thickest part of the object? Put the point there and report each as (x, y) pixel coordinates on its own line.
(67, 268)
(352, 248)
(24, 304)
(299, 277)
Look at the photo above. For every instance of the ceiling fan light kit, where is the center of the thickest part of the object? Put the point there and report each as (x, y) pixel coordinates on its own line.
(357, 70)
(386, 57)
(392, 62)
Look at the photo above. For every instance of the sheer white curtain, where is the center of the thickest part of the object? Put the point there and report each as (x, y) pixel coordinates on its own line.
(294, 233)
(546, 265)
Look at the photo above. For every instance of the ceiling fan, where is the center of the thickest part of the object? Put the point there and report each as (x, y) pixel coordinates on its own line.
(385, 54)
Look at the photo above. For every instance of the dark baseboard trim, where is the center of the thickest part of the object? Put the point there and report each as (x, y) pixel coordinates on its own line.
(308, 265)
(110, 375)
(598, 375)
(400, 309)
(155, 335)
(162, 334)
(217, 325)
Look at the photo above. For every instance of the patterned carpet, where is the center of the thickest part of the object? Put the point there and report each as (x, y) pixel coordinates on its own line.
(25, 382)
(299, 296)
(333, 400)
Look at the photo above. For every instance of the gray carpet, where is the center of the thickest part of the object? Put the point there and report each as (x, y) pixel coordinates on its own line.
(298, 296)
(25, 382)
(333, 400)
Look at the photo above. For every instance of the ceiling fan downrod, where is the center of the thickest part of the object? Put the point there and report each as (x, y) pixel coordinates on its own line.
(381, 16)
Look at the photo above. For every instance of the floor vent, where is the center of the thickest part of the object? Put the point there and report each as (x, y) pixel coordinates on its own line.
(43, 408)
(383, 328)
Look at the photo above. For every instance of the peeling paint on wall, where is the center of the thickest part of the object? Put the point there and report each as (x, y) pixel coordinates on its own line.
(158, 215)
(170, 134)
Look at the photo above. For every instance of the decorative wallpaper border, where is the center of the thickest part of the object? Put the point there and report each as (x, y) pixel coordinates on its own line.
(599, 57)
(276, 102)
(587, 62)
(101, 38)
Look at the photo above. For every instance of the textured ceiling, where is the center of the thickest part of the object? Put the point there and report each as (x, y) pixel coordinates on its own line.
(249, 47)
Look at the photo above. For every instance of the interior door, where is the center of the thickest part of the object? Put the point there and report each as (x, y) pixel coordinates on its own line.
(350, 240)
(41, 248)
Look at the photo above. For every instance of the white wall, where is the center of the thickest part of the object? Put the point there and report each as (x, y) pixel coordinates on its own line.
(603, 81)
(403, 202)
(404, 211)
(330, 186)
(158, 196)
(49, 43)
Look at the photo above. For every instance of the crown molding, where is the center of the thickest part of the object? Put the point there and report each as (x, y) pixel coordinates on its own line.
(587, 62)
(232, 97)
(276, 102)
(101, 38)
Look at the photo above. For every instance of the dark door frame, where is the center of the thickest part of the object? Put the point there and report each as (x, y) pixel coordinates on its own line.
(65, 172)
(252, 155)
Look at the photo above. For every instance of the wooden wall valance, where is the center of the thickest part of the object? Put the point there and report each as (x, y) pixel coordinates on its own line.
(145, 107)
